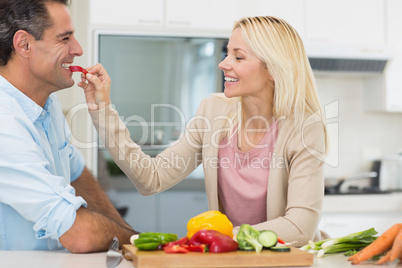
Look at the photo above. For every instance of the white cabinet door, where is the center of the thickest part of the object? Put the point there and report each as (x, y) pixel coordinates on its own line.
(290, 10)
(385, 93)
(166, 212)
(206, 14)
(126, 12)
(394, 22)
(394, 68)
(177, 208)
(141, 213)
(345, 21)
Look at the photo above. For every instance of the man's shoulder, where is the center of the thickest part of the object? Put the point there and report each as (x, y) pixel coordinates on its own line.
(8, 105)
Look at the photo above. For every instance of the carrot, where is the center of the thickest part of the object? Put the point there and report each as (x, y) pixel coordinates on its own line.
(352, 257)
(384, 259)
(396, 251)
(379, 246)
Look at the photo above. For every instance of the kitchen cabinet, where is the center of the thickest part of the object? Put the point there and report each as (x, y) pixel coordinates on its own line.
(142, 212)
(206, 14)
(183, 14)
(384, 93)
(345, 22)
(167, 212)
(290, 10)
(346, 214)
(126, 13)
(326, 21)
(341, 224)
(394, 21)
(176, 208)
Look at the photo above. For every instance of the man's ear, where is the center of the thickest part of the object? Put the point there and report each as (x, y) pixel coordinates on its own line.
(21, 43)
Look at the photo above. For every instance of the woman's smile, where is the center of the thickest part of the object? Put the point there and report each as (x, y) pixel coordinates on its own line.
(229, 80)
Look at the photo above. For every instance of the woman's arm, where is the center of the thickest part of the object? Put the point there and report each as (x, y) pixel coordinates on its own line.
(150, 175)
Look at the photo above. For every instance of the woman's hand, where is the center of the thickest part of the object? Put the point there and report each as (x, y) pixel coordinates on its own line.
(96, 84)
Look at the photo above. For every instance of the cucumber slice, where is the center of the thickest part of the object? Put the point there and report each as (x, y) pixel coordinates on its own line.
(267, 238)
(280, 249)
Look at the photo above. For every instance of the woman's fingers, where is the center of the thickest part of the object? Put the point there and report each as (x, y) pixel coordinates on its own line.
(96, 85)
(98, 91)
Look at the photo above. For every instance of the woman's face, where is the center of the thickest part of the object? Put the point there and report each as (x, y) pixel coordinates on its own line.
(244, 73)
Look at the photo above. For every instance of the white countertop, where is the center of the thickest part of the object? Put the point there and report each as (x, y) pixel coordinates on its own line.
(59, 259)
(344, 203)
(349, 213)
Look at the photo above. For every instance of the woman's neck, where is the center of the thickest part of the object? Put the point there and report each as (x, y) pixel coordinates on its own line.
(257, 117)
(256, 113)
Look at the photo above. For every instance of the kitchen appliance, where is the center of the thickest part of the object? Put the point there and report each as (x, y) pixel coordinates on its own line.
(391, 173)
(333, 185)
(158, 81)
(335, 58)
(113, 256)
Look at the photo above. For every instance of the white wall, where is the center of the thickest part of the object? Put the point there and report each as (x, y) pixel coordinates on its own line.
(363, 136)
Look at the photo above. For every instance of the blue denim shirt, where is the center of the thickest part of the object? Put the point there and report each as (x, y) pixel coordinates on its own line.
(37, 165)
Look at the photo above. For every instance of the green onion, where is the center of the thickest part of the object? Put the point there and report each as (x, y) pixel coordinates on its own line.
(350, 253)
(306, 247)
(342, 247)
(355, 241)
(364, 237)
(317, 245)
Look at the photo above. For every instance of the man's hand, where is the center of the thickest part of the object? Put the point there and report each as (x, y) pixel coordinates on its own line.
(93, 232)
(95, 226)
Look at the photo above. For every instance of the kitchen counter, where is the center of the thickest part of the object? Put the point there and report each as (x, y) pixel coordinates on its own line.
(351, 203)
(40, 259)
(346, 214)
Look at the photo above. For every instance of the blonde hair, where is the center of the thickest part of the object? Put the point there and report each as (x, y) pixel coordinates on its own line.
(281, 50)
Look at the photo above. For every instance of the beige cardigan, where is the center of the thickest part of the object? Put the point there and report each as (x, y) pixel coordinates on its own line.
(295, 185)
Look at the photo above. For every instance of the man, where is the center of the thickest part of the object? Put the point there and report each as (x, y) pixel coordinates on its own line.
(48, 199)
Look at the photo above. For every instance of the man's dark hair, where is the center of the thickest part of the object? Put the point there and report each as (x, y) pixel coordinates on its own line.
(28, 15)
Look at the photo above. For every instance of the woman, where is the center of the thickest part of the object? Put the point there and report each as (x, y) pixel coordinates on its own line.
(262, 143)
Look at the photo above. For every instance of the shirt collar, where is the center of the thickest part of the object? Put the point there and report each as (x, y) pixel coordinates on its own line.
(30, 108)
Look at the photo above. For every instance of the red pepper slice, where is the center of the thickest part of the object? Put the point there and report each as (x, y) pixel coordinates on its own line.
(175, 249)
(78, 69)
(199, 248)
(180, 242)
(281, 241)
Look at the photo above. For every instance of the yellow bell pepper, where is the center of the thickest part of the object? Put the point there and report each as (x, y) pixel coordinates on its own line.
(210, 220)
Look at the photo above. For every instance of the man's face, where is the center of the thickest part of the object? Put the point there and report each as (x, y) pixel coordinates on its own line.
(57, 48)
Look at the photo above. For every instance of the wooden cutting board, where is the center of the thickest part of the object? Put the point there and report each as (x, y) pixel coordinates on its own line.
(267, 258)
